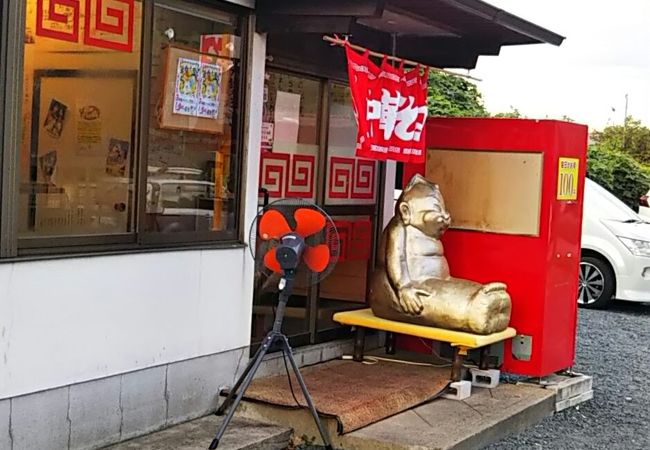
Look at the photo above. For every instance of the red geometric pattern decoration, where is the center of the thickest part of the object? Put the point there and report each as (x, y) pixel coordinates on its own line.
(355, 238)
(107, 23)
(351, 178)
(343, 227)
(301, 181)
(274, 169)
(361, 239)
(364, 179)
(341, 177)
(112, 26)
(288, 175)
(58, 19)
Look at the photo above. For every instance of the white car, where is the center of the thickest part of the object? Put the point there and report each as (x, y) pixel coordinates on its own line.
(615, 260)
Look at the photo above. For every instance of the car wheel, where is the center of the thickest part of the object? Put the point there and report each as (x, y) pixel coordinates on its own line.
(595, 284)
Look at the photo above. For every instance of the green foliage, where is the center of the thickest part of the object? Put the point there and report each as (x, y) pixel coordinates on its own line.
(632, 138)
(452, 96)
(512, 114)
(618, 172)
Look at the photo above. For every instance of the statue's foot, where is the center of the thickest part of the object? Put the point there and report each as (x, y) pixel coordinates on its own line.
(490, 308)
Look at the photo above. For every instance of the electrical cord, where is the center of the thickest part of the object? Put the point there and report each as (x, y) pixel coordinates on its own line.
(286, 368)
(433, 352)
(473, 364)
(371, 360)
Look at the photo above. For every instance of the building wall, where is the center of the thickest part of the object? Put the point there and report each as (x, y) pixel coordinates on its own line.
(98, 349)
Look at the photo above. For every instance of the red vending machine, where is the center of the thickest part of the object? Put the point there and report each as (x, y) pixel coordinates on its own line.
(514, 189)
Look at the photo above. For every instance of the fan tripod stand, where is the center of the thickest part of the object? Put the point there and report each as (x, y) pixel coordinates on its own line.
(274, 336)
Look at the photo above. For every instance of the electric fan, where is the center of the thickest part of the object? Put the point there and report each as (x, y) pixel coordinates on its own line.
(291, 238)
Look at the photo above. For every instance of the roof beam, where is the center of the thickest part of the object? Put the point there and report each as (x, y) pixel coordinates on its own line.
(507, 20)
(304, 24)
(351, 8)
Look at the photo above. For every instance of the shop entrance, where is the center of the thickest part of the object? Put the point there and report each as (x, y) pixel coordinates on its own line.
(308, 151)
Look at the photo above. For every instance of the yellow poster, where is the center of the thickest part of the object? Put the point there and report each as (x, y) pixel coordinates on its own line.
(567, 179)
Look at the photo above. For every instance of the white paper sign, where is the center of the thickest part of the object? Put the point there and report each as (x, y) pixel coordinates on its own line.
(186, 95)
(267, 135)
(287, 117)
(209, 93)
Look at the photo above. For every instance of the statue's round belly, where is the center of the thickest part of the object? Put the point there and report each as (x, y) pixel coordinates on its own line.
(425, 267)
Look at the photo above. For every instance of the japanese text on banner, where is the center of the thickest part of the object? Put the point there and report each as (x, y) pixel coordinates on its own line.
(390, 107)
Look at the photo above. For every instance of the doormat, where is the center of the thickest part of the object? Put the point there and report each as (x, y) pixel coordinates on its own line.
(356, 394)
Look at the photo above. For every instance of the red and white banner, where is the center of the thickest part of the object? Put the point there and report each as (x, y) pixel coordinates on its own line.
(390, 105)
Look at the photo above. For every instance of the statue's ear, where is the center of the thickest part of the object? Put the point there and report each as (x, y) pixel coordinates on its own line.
(405, 212)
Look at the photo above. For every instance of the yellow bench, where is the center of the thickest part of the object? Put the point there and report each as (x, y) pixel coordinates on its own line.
(461, 341)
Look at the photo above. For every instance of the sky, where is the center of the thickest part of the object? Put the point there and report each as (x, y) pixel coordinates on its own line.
(606, 55)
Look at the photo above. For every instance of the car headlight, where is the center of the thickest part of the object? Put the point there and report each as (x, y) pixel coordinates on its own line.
(637, 247)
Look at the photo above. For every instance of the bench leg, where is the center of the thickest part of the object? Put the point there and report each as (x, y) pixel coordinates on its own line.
(484, 358)
(359, 344)
(390, 343)
(457, 364)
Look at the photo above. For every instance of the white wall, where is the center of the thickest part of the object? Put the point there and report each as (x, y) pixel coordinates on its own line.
(71, 320)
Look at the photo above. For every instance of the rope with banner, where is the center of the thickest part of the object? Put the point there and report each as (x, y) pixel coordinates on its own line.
(343, 42)
(390, 107)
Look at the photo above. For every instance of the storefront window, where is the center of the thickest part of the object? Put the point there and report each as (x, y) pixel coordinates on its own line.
(79, 109)
(290, 136)
(191, 176)
(89, 172)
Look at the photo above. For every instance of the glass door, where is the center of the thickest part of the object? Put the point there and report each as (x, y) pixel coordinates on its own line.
(288, 168)
(308, 151)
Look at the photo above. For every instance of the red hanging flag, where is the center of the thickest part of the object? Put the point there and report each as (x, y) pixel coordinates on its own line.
(391, 109)
(362, 73)
(413, 112)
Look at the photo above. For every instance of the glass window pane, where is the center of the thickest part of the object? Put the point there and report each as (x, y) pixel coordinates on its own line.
(195, 76)
(350, 180)
(78, 138)
(345, 288)
(290, 136)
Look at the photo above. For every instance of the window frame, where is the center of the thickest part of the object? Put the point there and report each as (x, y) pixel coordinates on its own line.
(3, 67)
(44, 247)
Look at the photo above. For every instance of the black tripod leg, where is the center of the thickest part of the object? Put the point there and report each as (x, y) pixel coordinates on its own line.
(305, 392)
(231, 395)
(268, 341)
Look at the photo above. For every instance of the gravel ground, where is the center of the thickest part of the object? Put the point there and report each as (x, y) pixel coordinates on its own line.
(613, 348)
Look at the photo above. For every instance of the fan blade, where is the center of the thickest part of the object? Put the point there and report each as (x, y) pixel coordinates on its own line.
(317, 257)
(308, 221)
(271, 261)
(273, 225)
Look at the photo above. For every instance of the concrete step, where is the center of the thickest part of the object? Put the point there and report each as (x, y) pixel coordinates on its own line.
(486, 417)
(570, 390)
(241, 434)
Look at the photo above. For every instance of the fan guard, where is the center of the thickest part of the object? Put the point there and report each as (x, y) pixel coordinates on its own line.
(327, 235)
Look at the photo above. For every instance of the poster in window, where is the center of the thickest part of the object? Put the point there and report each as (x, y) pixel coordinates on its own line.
(55, 118)
(89, 127)
(47, 164)
(210, 76)
(117, 158)
(167, 117)
(186, 94)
